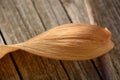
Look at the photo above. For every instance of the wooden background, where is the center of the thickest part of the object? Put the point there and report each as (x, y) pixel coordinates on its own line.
(24, 19)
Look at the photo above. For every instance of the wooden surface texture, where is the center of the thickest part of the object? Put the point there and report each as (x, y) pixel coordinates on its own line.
(21, 20)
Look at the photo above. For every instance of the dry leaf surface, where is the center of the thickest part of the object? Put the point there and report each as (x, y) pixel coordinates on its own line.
(67, 42)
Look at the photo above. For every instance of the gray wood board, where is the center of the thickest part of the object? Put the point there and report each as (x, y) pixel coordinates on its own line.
(21, 20)
(25, 19)
(107, 13)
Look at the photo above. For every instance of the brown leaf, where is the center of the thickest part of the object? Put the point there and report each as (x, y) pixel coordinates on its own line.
(67, 42)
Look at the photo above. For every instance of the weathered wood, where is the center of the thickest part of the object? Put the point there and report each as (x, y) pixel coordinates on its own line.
(7, 68)
(78, 14)
(23, 19)
(71, 67)
(76, 10)
(23, 22)
(107, 13)
(19, 25)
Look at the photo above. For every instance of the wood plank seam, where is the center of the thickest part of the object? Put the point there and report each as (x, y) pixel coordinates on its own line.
(65, 11)
(65, 70)
(46, 30)
(38, 14)
(70, 21)
(90, 22)
(59, 24)
(4, 42)
(56, 22)
(25, 25)
(105, 14)
(13, 61)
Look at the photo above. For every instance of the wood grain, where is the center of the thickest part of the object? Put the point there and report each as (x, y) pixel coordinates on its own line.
(70, 67)
(19, 23)
(18, 17)
(24, 19)
(82, 17)
(7, 68)
(107, 13)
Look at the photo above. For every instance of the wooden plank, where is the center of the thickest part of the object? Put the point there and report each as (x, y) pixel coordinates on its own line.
(18, 19)
(75, 70)
(104, 64)
(21, 23)
(107, 13)
(78, 14)
(49, 14)
(7, 69)
(76, 10)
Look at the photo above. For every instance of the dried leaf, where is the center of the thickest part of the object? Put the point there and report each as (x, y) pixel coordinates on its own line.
(67, 42)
